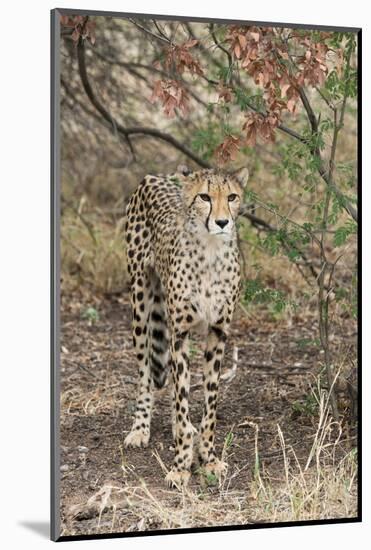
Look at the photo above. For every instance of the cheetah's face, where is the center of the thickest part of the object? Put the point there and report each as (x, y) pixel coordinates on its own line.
(214, 202)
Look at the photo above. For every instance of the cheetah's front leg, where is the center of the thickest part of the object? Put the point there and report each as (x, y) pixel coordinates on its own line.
(180, 472)
(174, 415)
(213, 358)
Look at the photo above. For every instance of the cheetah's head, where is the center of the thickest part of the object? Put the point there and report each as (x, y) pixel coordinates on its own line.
(213, 200)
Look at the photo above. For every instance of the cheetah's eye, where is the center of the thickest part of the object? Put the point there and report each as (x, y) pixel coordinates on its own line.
(204, 197)
(232, 197)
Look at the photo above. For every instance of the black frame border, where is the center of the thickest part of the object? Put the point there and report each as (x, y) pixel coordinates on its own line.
(55, 275)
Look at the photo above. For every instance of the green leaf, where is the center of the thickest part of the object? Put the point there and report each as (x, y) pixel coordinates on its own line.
(228, 440)
(342, 233)
(256, 293)
(206, 140)
(91, 314)
(246, 100)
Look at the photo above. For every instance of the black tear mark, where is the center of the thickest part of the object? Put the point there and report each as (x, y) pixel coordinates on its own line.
(211, 207)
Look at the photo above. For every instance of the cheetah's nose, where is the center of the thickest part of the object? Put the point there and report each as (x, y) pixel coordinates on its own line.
(221, 223)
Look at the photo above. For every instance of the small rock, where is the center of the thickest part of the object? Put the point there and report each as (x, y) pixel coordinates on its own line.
(82, 449)
(65, 468)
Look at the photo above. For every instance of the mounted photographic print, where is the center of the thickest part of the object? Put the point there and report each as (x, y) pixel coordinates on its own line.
(205, 179)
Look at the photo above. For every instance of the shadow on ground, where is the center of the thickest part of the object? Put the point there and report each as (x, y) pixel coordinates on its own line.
(41, 528)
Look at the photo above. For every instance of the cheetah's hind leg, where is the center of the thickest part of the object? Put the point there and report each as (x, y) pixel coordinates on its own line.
(142, 297)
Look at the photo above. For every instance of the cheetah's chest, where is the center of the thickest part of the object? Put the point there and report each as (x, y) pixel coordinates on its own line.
(213, 283)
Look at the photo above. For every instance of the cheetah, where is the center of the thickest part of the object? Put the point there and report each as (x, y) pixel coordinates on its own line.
(184, 269)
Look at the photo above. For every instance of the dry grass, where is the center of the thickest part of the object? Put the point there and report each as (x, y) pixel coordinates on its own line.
(92, 249)
(321, 485)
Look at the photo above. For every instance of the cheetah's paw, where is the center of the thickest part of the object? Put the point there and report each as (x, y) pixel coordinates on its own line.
(177, 479)
(137, 438)
(216, 468)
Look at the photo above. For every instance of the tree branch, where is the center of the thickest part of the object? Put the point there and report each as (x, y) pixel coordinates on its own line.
(126, 132)
(200, 46)
(323, 171)
(222, 48)
(280, 126)
(260, 223)
(161, 38)
(131, 66)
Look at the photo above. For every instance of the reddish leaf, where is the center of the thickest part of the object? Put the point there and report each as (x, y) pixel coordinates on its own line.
(172, 95)
(228, 150)
(75, 34)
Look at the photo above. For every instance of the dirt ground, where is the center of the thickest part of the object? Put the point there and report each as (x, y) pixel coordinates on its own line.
(276, 367)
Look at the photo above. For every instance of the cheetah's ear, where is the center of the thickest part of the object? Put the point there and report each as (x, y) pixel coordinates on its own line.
(184, 170)
(242, 176)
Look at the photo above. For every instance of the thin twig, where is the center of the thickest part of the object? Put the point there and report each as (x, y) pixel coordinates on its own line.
(128, 131)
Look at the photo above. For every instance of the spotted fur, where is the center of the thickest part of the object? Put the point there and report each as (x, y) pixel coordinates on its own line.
(184, 268)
